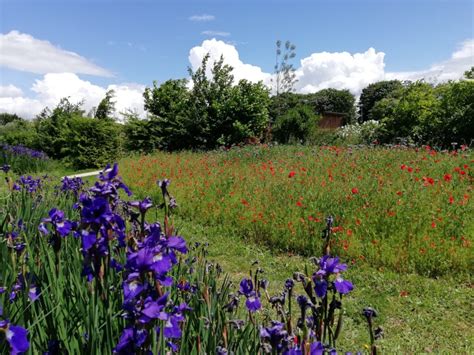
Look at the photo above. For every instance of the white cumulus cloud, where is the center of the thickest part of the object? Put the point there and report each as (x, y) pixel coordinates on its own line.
(54, 86)
(21, 51)
(216, 48)
(10, 91)
(340, 70)
(452, 69)
(202, 18)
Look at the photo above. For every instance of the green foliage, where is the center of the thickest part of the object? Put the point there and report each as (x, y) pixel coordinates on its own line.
(374, 93)
(139, 136)
(53, 127)
(91, 142)
(457, 113)
(415, 115)
(332, 100)
(82, 142)
(168, 124)
(106, 107)
(423, 114)
(469, 74)
(214, 112)
(19, 132)
(248, 108)
(298, 124)
(6, 118)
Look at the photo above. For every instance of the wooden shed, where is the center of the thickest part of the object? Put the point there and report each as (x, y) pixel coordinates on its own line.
(332, 120)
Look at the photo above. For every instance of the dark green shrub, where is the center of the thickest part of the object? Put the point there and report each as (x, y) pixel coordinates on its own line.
(298, 124)
(92, 142)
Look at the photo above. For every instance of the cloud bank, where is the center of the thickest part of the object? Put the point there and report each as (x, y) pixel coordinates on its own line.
(54, 86)
(21, 51)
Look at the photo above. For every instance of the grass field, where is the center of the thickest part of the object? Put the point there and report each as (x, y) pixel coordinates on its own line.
(404, 221)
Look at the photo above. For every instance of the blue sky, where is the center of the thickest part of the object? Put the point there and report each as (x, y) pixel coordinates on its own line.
(141, 41)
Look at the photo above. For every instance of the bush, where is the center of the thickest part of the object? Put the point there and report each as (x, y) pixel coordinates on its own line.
(298, 124)
(364, 133)
(91, 142)
(19, 132)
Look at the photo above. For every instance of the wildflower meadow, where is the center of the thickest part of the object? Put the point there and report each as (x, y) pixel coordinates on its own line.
(120, 263)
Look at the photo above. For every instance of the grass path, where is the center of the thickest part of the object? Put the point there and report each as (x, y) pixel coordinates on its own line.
(418, 314)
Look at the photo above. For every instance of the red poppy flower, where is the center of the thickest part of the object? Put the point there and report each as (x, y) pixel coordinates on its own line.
(355, 190)
(291, 174)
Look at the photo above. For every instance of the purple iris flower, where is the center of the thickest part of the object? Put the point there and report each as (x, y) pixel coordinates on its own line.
(253, 302)
(16, 336)
(88, 239)
(73, 185)
(154, 309)
(320, 287)
(56, 218)
(343, 286)
(330, 265)
(172, 329)
(33, 293)
(316, 348)
(95, 210)
(130, 341)
(177, 243)
(274, 335)
(132, 287)
(142, 206)
(246, 286)
(5, 168)
(108, 174)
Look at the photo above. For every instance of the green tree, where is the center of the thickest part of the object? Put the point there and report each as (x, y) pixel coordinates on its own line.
(139, 135)
(373, 93)
(469, 74)
(53, 127)
(249, 108)
(169, 121)
(332, 100)
(106, 107)
(220, 112)
(414, 115)
(6, 118)
(457, 112)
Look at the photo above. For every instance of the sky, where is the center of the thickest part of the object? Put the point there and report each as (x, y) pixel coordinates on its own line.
(51, 49)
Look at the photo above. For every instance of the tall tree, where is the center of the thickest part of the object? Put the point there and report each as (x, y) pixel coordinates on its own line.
(373, 93)
(284, 75)
(106, 107)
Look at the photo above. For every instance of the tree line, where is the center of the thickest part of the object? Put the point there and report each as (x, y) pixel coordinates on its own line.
(211, 110)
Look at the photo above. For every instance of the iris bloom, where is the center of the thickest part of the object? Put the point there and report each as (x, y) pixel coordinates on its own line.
(16, 336)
